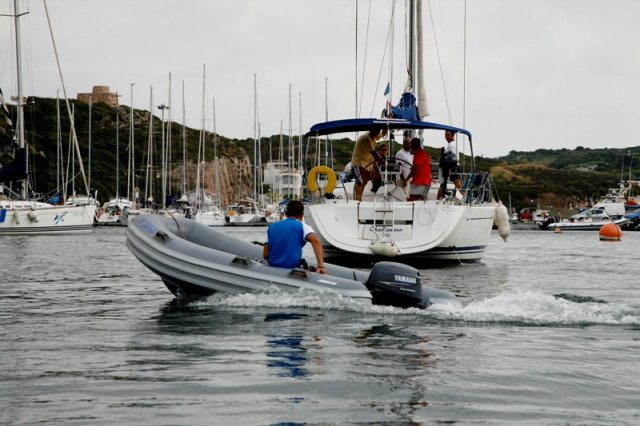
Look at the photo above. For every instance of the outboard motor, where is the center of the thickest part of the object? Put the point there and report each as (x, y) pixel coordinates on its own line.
(395, 284)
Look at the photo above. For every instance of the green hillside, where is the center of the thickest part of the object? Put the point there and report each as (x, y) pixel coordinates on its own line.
(559, 178)
(41, 134)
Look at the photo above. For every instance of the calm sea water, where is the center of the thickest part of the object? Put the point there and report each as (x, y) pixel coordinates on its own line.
(547, 332)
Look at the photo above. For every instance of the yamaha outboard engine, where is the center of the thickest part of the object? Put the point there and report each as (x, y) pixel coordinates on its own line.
(395, 284)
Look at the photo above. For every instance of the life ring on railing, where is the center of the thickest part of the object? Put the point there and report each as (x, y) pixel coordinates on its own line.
(331, 179)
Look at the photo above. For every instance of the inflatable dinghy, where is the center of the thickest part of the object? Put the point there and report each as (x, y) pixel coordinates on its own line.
(193, 259)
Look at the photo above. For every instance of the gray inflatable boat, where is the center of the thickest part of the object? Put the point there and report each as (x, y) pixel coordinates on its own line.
(193, 259)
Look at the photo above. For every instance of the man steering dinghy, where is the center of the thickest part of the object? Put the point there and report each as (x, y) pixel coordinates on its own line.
(286, 238)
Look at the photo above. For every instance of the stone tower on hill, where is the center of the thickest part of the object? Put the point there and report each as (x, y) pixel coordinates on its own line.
(100, 94)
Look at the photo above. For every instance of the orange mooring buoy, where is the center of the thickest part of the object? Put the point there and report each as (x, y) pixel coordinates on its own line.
(557, 230)
(610, 232)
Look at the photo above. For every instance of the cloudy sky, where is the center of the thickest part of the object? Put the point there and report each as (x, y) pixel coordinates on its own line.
(539, 73)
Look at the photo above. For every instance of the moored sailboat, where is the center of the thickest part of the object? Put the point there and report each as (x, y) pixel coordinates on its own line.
(208, 212)
(19, 214)
(382, 223)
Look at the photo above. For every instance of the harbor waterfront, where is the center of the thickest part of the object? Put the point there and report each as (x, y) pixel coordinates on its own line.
(547, 331)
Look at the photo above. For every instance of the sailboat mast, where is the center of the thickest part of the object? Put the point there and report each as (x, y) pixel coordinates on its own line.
(411, 57)
(184, 144)
(215, 155)
(326, 118)
(66, 98)
(255, 137)
(421, 93)
(73, 160)
(289, 151)
(163, 157)
(118, 154)
(148, 185)
(169, 157)
(356, 65)
(90, 147)
(20, 124)
(281, 159)
(201, 140)
(131, 168)
(260, 188)
(58, 143)
(300, 131)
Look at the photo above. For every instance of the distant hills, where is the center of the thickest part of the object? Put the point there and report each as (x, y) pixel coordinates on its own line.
(543, 177)
(563, 177)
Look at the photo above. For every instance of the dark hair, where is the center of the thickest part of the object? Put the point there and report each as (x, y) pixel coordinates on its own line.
(295, 208)
(416, 142)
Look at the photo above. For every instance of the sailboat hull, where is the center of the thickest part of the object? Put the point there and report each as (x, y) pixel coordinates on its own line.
(417, 232)
(34, 218)
(210, 218)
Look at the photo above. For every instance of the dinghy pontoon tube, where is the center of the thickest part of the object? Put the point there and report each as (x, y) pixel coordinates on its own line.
(194, 259)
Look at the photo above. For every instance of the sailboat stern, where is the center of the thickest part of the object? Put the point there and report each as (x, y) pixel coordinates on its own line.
(398, 230)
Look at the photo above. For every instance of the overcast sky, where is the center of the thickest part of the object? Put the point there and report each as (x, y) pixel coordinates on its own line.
(539, 73)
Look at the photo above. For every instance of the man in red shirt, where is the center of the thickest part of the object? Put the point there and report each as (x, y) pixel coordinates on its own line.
(420, 172)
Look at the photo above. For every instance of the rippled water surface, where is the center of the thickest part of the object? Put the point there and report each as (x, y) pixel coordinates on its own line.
(547, 332)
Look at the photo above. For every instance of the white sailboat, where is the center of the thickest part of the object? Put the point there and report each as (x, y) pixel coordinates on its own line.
(20, 215)
(210, 213)
(384, 224)
(247, 212)
(206, 212)
(285, 178)
(114, 211)
(147, 205)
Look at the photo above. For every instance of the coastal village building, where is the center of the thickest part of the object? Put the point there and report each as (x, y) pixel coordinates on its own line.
(99, 94)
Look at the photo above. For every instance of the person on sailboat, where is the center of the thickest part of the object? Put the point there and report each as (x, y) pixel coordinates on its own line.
(405, 160)
(362, 159)
(286, 238)
(382, 150)
(420, 172)
(448, 164)
(380, 157)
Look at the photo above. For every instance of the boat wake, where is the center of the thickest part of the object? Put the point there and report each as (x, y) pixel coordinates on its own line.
(539, 309)
(527, 308)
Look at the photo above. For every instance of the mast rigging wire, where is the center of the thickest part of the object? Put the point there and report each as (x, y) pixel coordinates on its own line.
(384, 54)
(364, 65)
(444, 86)
(66, 99)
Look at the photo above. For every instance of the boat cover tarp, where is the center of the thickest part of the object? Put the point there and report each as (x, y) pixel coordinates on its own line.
(55, 199)
(17, 169)
(7, 117)
(406, 108)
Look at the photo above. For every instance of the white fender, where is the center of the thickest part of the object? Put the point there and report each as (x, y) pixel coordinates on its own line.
(385, 249)
(16, 217)
(501, 220)
(33, 217)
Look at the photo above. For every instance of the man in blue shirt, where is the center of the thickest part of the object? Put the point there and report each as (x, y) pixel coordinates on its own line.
(286, 238)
